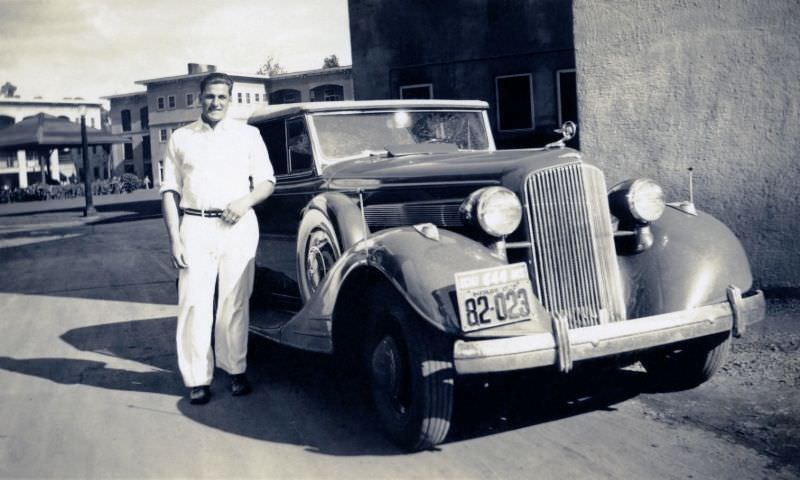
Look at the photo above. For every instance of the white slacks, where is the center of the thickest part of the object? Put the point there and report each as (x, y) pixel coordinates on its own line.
(214, 248)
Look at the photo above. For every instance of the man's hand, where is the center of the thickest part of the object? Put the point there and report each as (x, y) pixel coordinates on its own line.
(236, 210)
(178, 257)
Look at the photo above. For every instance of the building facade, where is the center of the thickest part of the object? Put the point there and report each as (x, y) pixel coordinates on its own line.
(26, 167)
(129, 116)
(517, 55)
(320, 85)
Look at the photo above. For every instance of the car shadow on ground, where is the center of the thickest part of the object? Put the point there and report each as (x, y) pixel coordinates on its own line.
(309, 400)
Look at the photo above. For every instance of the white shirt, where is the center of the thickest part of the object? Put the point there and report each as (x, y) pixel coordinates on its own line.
(210, 167)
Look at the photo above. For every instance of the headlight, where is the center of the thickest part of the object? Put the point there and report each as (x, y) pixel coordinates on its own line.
(495, 209)
(646, 200)
(641, 200)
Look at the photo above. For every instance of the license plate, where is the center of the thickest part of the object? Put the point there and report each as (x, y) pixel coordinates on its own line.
(494, 296)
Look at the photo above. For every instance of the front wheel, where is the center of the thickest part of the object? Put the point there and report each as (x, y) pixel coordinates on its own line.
(688, 364)
(411, 377)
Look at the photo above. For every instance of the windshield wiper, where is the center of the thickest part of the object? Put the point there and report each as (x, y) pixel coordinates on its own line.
(421, 149)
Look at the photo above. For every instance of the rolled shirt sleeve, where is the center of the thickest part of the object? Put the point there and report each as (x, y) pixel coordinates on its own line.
(171, 179)
(260, 166)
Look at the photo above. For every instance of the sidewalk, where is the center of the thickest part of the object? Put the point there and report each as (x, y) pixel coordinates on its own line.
(68, 213)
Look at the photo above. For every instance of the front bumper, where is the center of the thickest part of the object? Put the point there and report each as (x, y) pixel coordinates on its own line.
(567, 346)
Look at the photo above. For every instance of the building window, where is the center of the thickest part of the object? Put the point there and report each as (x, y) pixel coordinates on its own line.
(8, 158)
(145, 118)
(126, 120)
(171, 101)
(247, 97)
(567, 96)
(327, 93)
(128, 151)
(129, 168)
(162, 135)
(258, 98)
(91, 122)
(419, 91)
(514, 102)
(146, 148)
(160, 103)
(284, 96)
(239, 97)
(189, 100)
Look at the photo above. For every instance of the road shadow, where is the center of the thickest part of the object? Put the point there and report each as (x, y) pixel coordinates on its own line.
(309, 400)
(142, 207)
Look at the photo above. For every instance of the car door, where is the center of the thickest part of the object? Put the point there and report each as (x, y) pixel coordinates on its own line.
(279, 216)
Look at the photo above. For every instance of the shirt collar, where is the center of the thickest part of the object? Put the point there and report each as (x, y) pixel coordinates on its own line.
(201, 126)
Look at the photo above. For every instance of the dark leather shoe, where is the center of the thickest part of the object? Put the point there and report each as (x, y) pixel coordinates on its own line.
(240, 385)
(199, 395)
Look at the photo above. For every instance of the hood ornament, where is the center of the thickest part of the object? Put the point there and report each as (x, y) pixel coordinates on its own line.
(568, 130)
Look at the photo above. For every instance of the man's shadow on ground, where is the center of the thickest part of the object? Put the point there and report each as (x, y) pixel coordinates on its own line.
(309, 400)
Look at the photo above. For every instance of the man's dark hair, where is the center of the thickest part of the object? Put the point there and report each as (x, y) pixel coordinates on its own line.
(214, 78)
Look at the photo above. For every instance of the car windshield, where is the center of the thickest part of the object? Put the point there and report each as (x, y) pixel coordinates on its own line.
(348, 135)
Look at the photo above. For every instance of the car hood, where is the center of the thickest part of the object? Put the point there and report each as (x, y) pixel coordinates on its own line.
(505, 167)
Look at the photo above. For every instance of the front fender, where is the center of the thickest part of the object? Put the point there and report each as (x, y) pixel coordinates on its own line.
(692, 261)
(343, 212)
(422, 270)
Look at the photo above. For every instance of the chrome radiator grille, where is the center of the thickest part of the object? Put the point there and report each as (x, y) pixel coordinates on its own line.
(573, 257)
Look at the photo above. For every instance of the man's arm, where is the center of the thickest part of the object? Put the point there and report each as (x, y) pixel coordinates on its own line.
(169, 206)
(237, 208)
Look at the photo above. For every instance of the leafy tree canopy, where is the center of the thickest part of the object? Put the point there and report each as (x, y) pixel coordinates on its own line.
(331, 62)
(270, 67)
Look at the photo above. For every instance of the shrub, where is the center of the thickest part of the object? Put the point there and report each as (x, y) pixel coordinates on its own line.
(130, 182)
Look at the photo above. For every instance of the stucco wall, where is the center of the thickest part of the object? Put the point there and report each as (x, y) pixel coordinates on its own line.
(665, 85)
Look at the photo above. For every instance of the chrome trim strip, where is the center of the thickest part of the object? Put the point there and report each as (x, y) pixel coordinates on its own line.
(540, 349)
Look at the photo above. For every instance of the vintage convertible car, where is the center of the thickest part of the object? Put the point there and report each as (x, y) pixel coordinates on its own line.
(399, 235)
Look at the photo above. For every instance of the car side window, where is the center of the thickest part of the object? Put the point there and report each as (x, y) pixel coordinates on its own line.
(300, 154)
(274, 135)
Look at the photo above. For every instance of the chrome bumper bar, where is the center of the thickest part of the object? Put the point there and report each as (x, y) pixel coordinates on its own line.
(542, 349)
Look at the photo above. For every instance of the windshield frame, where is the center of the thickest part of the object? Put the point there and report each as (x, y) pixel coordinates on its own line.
(323, 162)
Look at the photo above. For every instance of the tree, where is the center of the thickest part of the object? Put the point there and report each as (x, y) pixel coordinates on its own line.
(331, 62)
(270, 67)
(7, 90)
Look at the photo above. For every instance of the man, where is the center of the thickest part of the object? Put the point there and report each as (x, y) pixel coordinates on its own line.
(208, 168)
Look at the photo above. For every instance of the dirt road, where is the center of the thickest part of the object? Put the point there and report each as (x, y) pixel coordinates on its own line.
(88, 389)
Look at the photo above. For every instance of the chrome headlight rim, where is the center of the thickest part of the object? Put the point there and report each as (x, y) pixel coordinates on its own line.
(646, 200)
(496, 210)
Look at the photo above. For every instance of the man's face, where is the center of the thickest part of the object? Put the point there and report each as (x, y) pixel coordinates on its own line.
(215, 100)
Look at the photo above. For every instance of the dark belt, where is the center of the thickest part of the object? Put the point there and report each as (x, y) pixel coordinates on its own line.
(202, 213)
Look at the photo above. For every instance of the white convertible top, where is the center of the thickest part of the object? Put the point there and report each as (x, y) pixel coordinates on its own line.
(288, 109)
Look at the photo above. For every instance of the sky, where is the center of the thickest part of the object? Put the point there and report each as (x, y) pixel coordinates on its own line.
(93, 48)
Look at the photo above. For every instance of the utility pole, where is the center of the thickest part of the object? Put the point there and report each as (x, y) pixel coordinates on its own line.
(89, 211)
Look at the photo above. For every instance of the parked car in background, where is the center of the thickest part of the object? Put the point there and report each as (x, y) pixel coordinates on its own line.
(398, 234)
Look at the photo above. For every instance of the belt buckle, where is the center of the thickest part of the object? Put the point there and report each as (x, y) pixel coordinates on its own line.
(202, 212)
